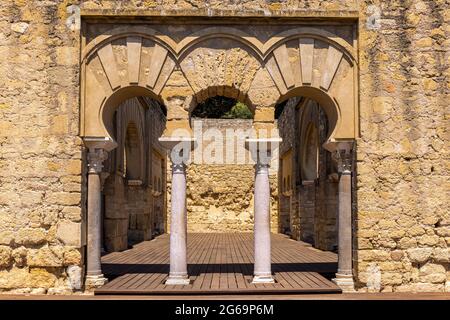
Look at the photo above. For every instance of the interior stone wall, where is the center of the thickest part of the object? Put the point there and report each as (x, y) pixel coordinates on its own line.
(311, 205)
(134, 209)
(401, 221)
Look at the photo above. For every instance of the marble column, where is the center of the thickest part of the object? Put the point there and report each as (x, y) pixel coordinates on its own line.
(179, 149)
(344, 276)
(262, 151)
(94, 277)
(178, 228)
(263, 268)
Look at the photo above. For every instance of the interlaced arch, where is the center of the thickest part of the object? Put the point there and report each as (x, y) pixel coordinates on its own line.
(220, 60)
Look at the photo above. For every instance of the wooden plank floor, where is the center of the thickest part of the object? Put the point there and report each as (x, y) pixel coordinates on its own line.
(219, 263)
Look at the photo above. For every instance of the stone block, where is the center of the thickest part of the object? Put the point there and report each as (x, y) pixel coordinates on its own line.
(64, 198)
(6, 237)
(419, 255)
(441, 255)
(41, 278)
(19, 256)
(72, 256)
(69, 233)
(264, 114)
(432, 273)
(5, 256)
(44, 257)
(75, 274)
(59, 125)
(72, 167)
(72, 213)
(30, 236)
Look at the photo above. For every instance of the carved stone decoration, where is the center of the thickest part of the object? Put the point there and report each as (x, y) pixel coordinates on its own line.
(344, 159)
(218, 60)
(262, 168)
(95, 160)
(178, 168)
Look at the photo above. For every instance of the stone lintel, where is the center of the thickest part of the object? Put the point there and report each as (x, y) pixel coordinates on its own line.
(339, 14)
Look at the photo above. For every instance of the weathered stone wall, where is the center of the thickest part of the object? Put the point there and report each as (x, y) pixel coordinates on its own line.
(401, 220)
(41, 235)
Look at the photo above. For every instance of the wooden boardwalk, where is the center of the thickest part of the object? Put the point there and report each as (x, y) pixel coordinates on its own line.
(219, 263)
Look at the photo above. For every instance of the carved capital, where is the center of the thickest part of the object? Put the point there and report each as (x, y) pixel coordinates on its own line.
(262, 168)
(95, 160)
(263, 150)
(178, 168)
(344, 159)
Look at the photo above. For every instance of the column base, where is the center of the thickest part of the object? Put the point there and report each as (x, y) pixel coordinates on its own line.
(263, 279)
(345, 282)
(178, 280)
(96, 281)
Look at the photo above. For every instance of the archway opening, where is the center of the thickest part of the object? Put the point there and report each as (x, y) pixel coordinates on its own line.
(134, 207)
(221, 174)
(308, 175)
(221, 107)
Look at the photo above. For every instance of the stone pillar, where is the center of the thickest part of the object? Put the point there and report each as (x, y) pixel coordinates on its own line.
(263, 268)
(178, 228)
(94, 277)
(344, 276)
(262, 151)
(180, 149)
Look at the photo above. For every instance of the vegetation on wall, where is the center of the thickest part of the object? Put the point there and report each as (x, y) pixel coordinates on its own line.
(222, 108)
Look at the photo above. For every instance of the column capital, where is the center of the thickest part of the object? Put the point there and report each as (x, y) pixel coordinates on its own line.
(179, 148)
(343, 155)
(178, 168)
(344, 160)
(262, 168)
(263, 150)
(95, 159)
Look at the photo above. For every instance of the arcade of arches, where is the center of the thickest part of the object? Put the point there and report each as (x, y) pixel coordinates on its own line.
(305, 76)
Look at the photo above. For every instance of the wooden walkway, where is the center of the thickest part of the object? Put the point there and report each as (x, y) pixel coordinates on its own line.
(219, 264)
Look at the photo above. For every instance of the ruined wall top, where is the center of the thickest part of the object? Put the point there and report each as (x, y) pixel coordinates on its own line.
(223, 8)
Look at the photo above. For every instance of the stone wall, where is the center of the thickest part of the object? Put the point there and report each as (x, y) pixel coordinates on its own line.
(402, 221)
(41, 175)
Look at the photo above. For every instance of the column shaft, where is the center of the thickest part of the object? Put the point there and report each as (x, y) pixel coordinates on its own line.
(94, 224)
(178, 233)
(344, 276)
(94, 276)
(345, 225)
